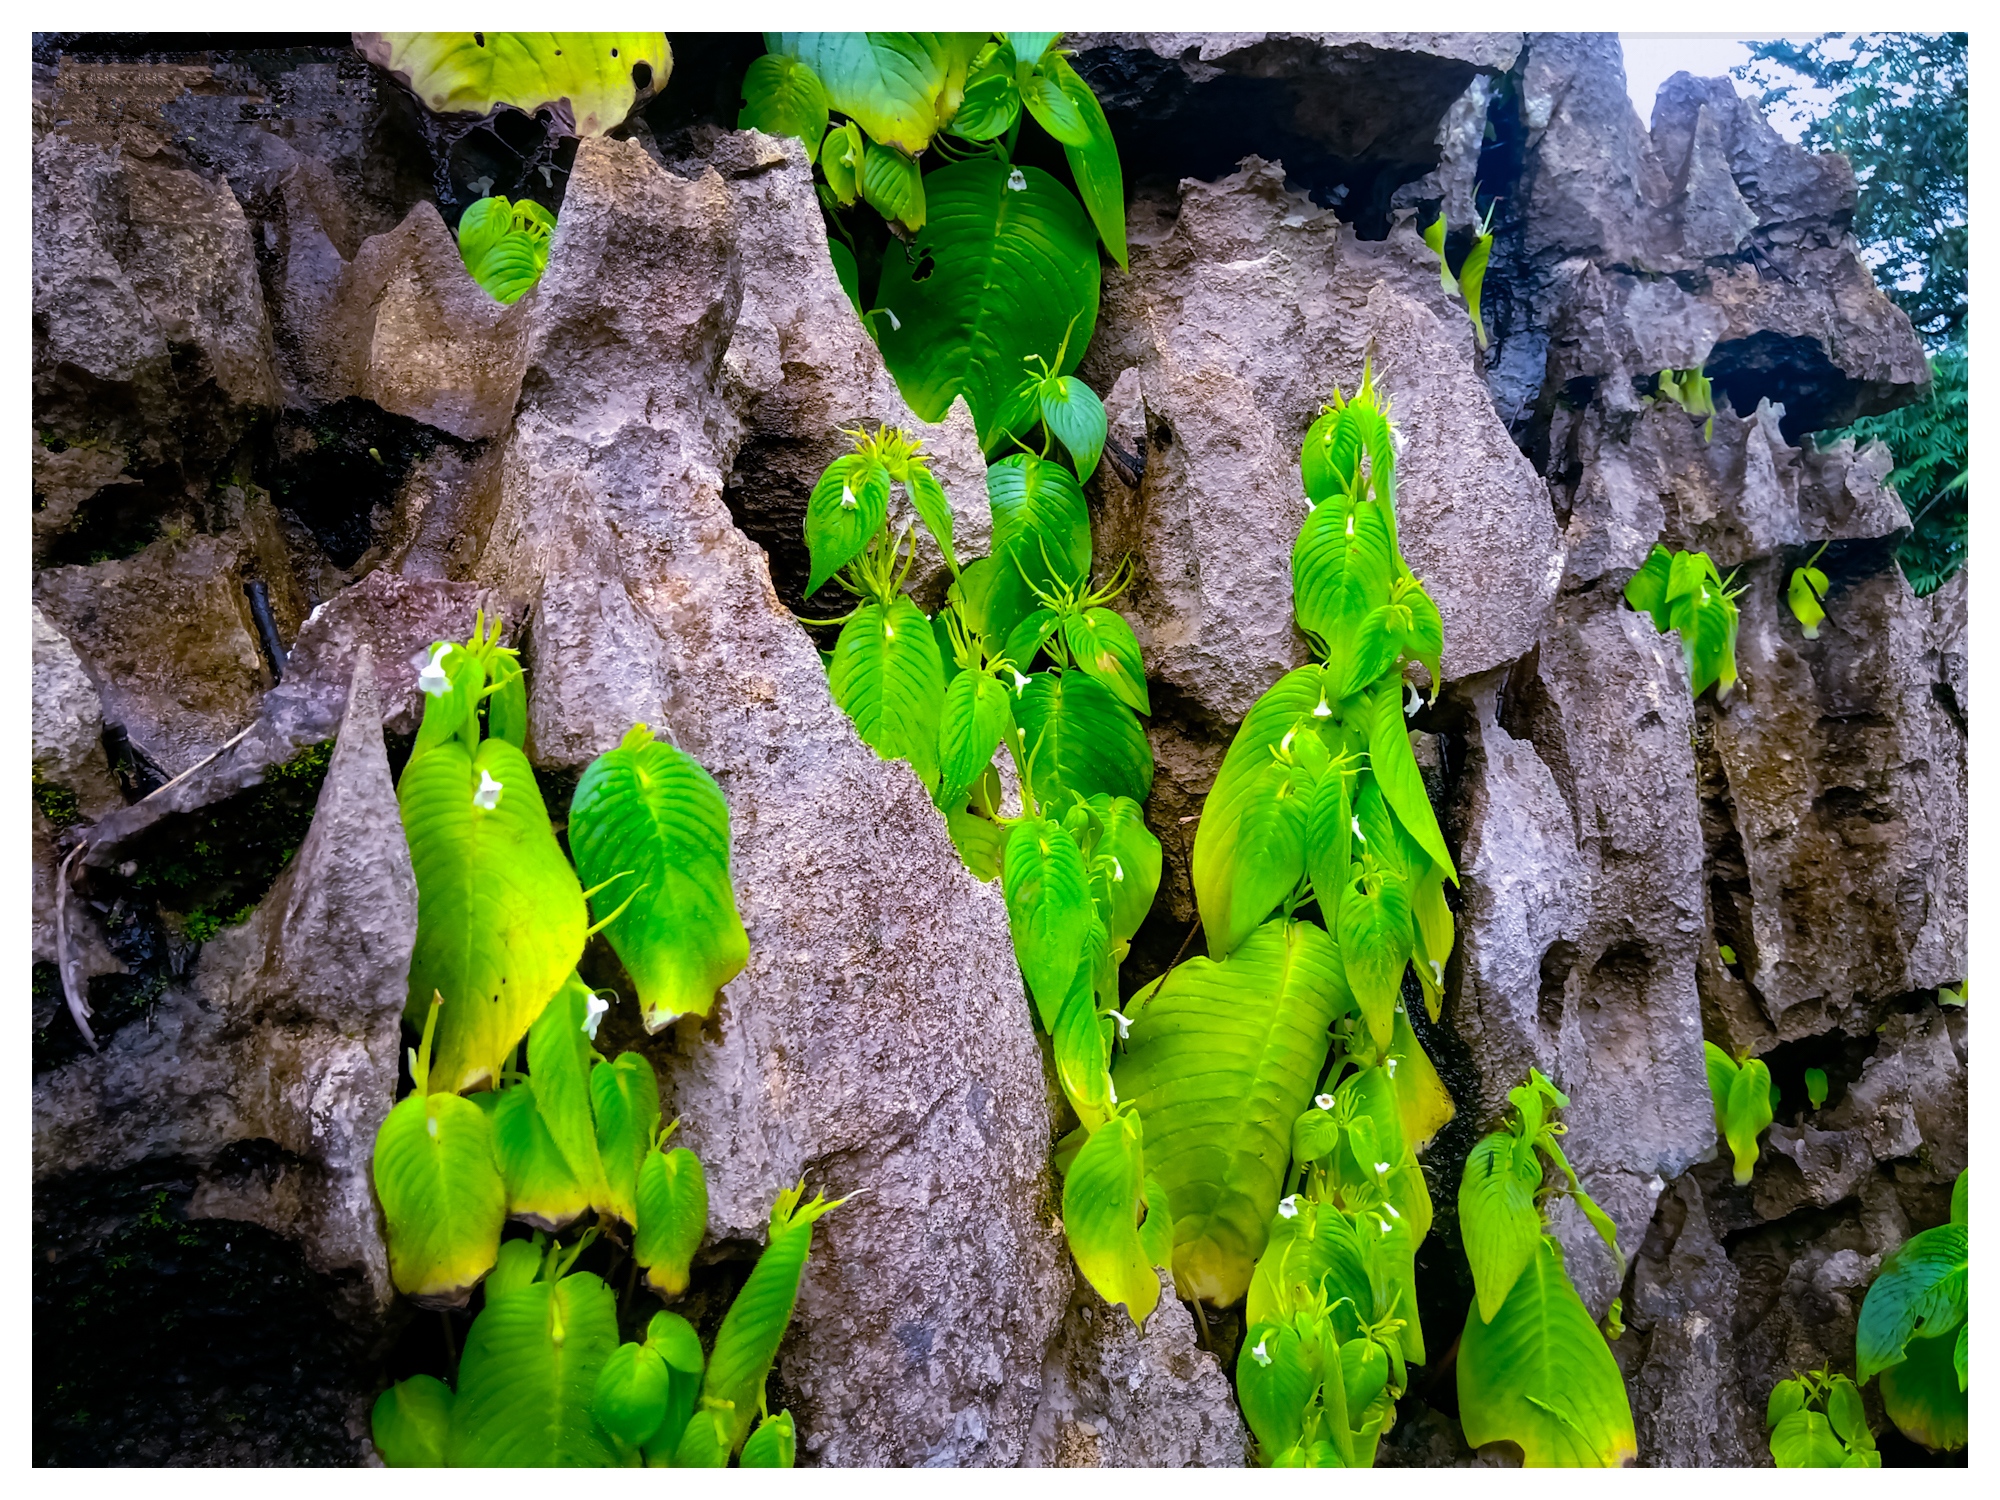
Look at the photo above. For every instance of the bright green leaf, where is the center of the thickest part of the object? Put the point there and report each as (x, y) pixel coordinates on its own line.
(782, 96)
(1101, 1198)
(888, 677)
(528, 1377)
(411, 1421)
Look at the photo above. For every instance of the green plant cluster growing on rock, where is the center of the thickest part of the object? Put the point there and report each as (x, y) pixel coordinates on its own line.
(1816, 1421)
(976, 263)
(1027, 654)
(1914, 1331)
(1682, 591)
(1692, 392)
(505, 246)
(501, 923)
(1745, 1101)
(1471, 274)
(1533, 1369)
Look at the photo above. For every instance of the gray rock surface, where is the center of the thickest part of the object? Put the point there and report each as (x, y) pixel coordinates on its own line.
(1119, 1397)
(287, 1033)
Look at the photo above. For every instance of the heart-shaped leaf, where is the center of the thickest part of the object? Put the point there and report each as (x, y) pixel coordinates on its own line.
(845, 510)
(1048, 909)
(888, 677)
(1498, 1218)
(443, 1198)
(559, 1064)
(1104, 646)
(1102, 1194)
(672, 1198)
(1012, 272)
(893, 186)
(774, 1445)
(650, 827)
(630, 1398)
(976, 715)
(528, 1378)
(1375, 942)
(1540, 1375)
(500, 917)
(1054, 110)
(992, 99)
(1125, 873)
(594, 75)
(842, 156)
(542, 1191)
(1083, 740)
(411, 1421)
(1076, 417)
(1223, 1057)
(782, 96)
(625, 1098)
(1395, 771)
(1041, 525)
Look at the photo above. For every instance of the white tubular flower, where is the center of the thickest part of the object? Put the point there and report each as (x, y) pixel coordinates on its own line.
(1285, 744)
(1437, 973)
(1017, 181)
(431, 1124)
(1324, 1101)
(1320, 710)
(1350, 523)
(1289, 1208)
(1415, 702)
(1020, 686)
(594, 1011)
(847, 500)
(1355, 820)
(1381, 1169)
(1392, 1211)
(1123, 1021)
(895, 322)
(488, 795)
(432, 679)
(1113, 1090)
(888, 630)
(1260, 1353)
(1385, 1223)
(1117, 869)
(1390, 1064)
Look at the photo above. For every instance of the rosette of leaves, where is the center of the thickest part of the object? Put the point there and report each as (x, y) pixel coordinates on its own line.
(1816, 1421)
(545, 1382)
(588, 80)
(1914, 1331)
(1745, 1101)
(970, 263)
(1533, 1369)
(1693, 393)
(505, 246)
(1682, 591)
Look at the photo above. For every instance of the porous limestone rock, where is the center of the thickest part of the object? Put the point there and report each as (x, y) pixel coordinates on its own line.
(67, 722)
(1115, 1396)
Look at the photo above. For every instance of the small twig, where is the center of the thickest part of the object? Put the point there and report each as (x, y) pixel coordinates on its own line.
(1201, 1325)
(227, 745)
(79, 1005)
(1192, 929)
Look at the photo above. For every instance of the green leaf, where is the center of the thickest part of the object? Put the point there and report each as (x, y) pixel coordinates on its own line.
(1125, 889)
(1081, 1056)
(1805, 1440)
(1434, 233)
(518, 1263)
(1075, 415)
(1343, 565)
(542, 1191)
(1435, 934)
(1923, 1397)
(1222, 1058)
(992, 100)
(1845, 1411)
(893, 186)
(1423, 1103)
(900, 86)
(507, 708)
(673, 1338)
(1082, 738)
(1748, 1113)
(1960, 1202)
(1903, 1299)
(707, 1438)
(933, 508)
(1026, 639)
(980, 841)
(474, 72)
(1100, 179)
(559, 1065)
(1787, 1396)
(630, 1397)
(976, 715)
(782, 96)
(747, 1342)
(625, 1097)
(451, 712)
(1013, 272)
(1101, 1199)
(500, 918)
(1104, 646)
(1497, 1216)
(1375, 935)
(1041, 525)
(1425, 640)
(1540, 1375)
(1395, 770)
(1815, 1087)
(1156, 1231)
(650, 827)
(410, 1422)
(1807, 597)
(774, 1445)
(528, 1377)
(672, 1199)
(888, 677)
(841, 157)
(482, 226)
(845, 510)
(1721, 1079)
(1236, 886)
(1030, 45)
(1048, 909)
(1711, 648)
(443, 1198)
(1646, 590)
(513, 265)
(1046, 99)
(1471, 277)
